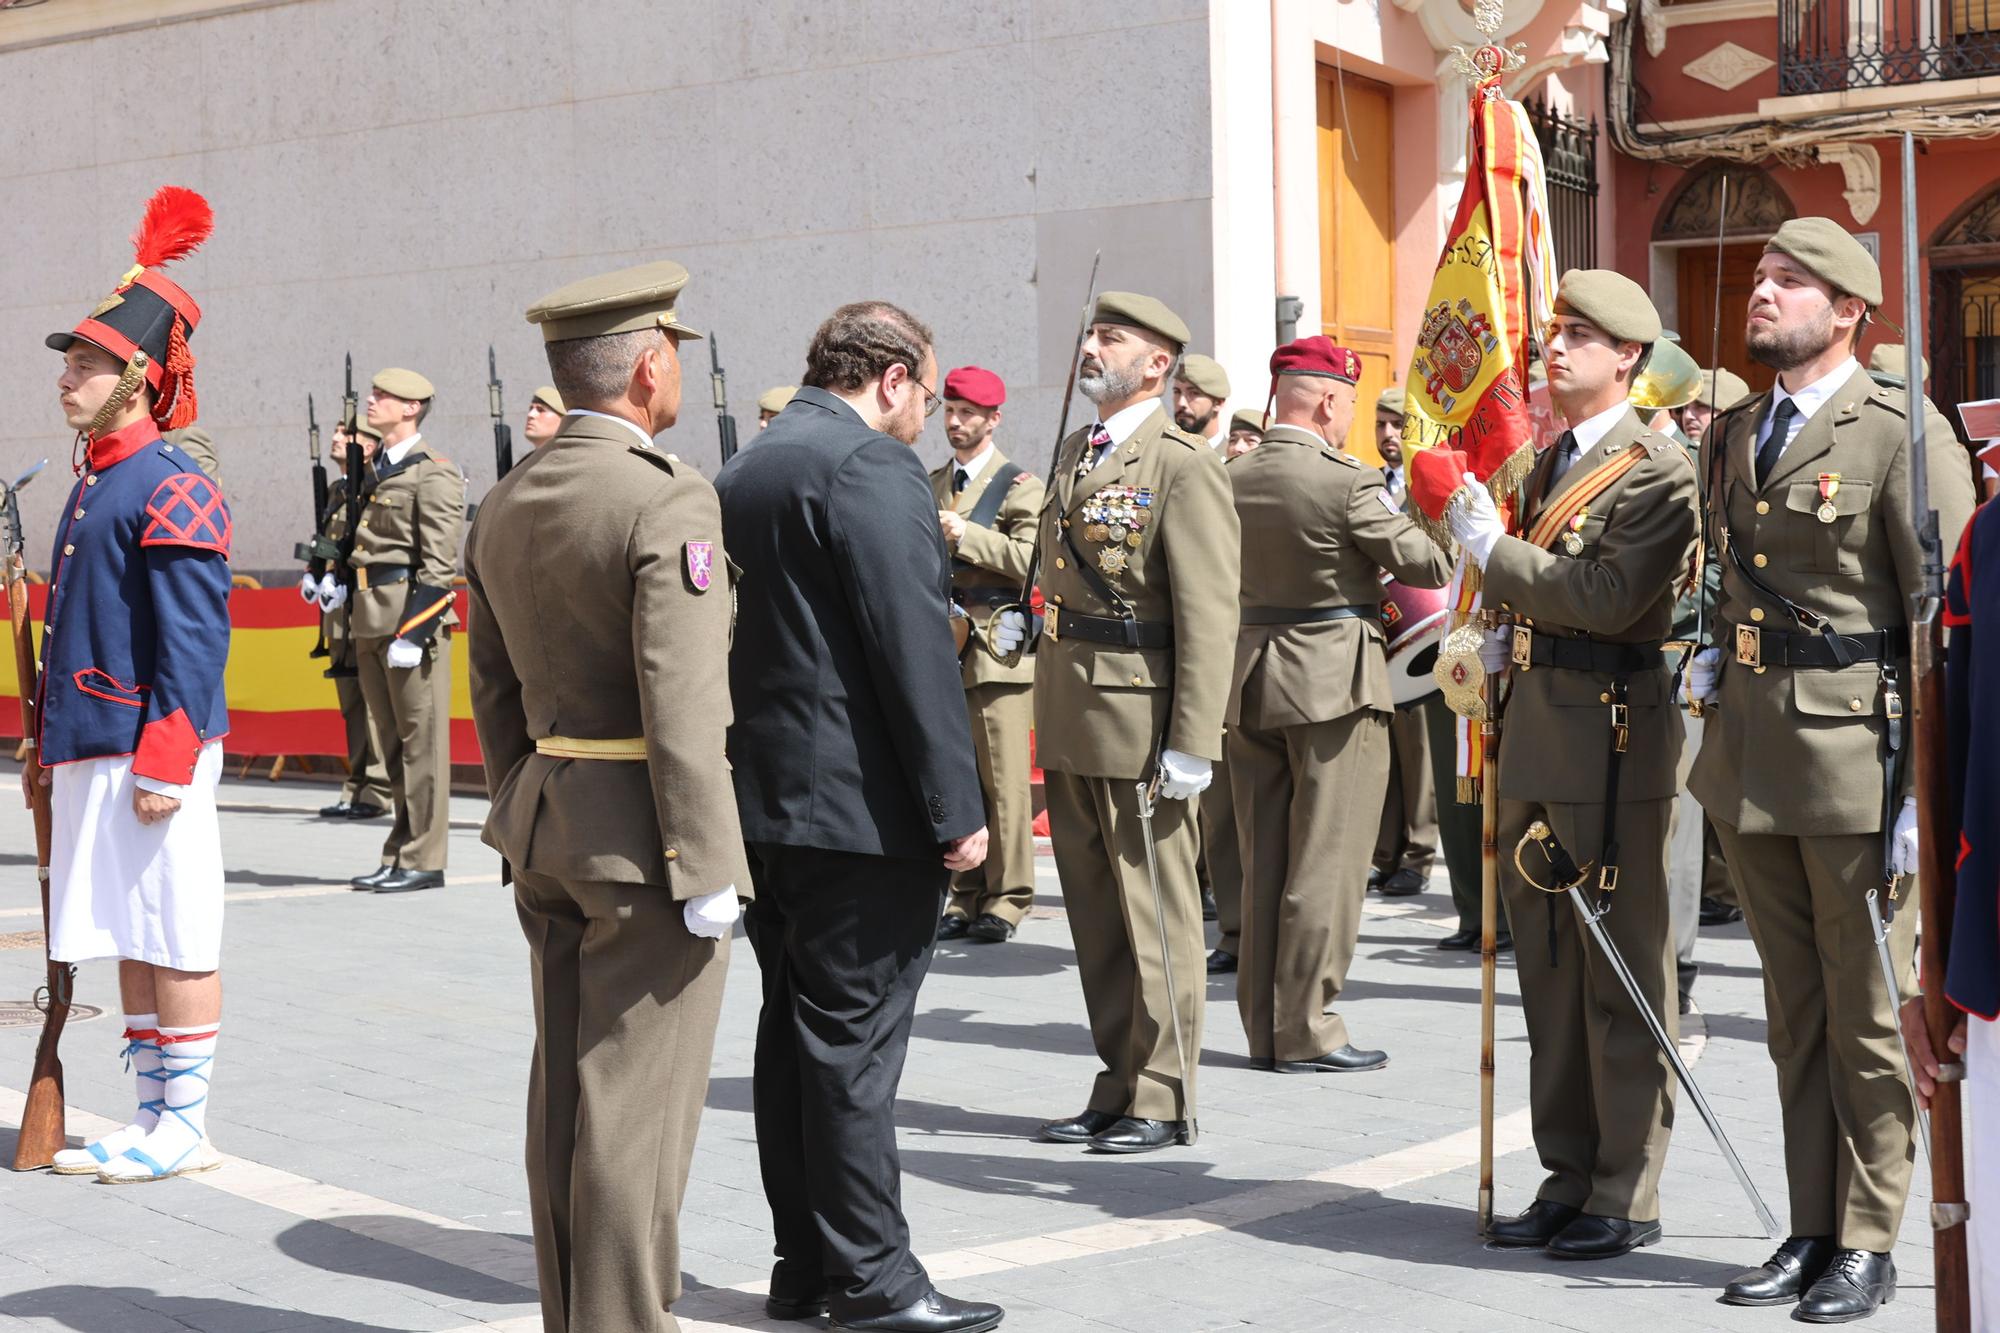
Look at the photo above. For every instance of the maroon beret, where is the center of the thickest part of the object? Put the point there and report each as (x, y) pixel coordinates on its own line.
(972, 384)
(1317, 355)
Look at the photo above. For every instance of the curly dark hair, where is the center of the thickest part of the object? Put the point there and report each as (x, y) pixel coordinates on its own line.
(860, 341)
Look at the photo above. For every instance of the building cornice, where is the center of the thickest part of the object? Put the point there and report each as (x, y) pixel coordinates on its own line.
(73, 20)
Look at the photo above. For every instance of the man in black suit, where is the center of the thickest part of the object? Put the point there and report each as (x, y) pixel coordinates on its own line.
(859, 794)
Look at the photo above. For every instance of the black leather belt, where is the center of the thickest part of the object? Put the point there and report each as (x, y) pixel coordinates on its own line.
(1756, 646)
(377, 576)
(1546, 650)
(985, 596)
(1063, 624)
(1308, 615)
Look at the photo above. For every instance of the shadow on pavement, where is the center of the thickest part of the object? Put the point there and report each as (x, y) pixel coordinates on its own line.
(960, 1028)
(940, 1118)
(402, 1250)
(111, 1309)
(1015, 958)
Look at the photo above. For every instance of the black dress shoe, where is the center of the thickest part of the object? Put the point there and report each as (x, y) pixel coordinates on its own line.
(1404, 883)
(1784, 1276)
(1375, 878)
(1714, 912)
(1593, 1237)
(372, 878)
(338, 810)
(1209, 911)
(1503, 943)
(364, 810)
(953, 927)
(1533, 1228)
(409, 881)
(1459, 941)
(1854, 1284)
(935, 1313)
(990, 929)
(1346, 1060)
(795, 1307)
(1134, 1135)
(1220, 961)
(1078, 1128)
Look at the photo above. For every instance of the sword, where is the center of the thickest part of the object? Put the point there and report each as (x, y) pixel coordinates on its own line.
(1570, 879)
(1149, 791)
(1878, 922)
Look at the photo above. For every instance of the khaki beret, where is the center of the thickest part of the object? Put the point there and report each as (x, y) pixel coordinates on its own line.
(1389, 402)
(405, 384)
(1721, 390)
(630, 299)
(774, 400)
(361, 427)
(1894, 359)
(1611, 301)
(549, 398)
(1143, 312)
(1247, 418)
(1206, 374)
(1830, 253)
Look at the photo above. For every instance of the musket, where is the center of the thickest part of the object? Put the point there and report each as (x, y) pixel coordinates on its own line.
(718, 383)
(1025, 602)
(503, 434)
(357, 465)
(43, 1133)
(318, 468)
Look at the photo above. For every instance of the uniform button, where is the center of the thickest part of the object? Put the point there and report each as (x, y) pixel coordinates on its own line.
(1763, 506)
(673, 854)
(78, 514)
(1756, 613)
(90, 480)
(1058, 599)
(1760, 670)
(1761, 560)
(1138, 680)
(1853, 705)
(69, 549)
(1065, 523)
(1060, 564)
(1605, 697)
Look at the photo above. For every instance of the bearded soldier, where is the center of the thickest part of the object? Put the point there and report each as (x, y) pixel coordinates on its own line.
(1800, 768)
(1592, 738)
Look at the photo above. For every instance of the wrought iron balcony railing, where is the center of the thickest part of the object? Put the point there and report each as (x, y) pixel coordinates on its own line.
(1832, 45)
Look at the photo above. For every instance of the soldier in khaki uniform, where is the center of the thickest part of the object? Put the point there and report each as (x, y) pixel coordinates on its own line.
(1309, 705)
(405, 558)
(545, 416)
(773, 401)
(987, 508)
(598, 561)
(1809, 501)
(1139, 567)
(1609, 531)
(365, 794)
(1246, 428)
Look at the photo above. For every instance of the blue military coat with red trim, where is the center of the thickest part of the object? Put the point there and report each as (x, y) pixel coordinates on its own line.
(1972, 682)
(137, 627)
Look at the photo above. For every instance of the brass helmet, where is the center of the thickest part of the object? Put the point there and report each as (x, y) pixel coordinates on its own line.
(1670, 380)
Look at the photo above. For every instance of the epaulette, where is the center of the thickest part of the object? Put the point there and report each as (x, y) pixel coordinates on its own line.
(1656, 443)
(1340, 456)
(1187, 438)
(657, 457)
(1893, 397)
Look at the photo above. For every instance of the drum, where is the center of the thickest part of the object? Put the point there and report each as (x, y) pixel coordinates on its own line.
(1415, 620)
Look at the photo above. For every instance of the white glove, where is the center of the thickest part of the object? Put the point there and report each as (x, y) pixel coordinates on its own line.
(1704, 676)
(332, 593)
(403, 654)
(1903, 846)
(1008, 632)
(1183, 775)
(1474, 520)
(309, 586)
(712, 915)
(1496, 654)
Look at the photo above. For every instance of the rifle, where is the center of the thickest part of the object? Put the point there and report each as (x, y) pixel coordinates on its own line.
(43, 1134)
(725, 425)
(503, 434)
(318, 468)
(1937, 881)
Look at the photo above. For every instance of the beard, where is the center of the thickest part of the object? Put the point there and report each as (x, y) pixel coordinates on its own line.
(1193, 424)
(1108, 383)
(1787, 349)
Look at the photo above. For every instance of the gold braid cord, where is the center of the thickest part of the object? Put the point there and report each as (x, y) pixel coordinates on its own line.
(128, 384)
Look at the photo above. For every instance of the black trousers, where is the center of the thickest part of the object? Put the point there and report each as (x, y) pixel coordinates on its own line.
(844, 941)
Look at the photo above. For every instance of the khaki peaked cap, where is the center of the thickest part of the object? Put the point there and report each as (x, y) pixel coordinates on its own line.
(623, 301)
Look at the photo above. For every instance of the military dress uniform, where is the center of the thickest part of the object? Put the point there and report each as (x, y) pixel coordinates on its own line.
(613, 807)
(1139, 573)
(1308, 716)
(367, 784)
(1591, 585)
(405, 558)
(988, 564)
(1792, 766)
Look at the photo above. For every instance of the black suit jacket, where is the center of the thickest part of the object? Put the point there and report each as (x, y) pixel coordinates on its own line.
(850, 731)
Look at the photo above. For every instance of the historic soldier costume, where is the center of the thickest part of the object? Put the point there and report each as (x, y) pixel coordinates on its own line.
(131, 715)
(1808, 500)
(601, 609)
(1309, 705)
(405, 557)
(365, 794)
(199, 446)
(998, 503)
(1592, 737)
(1140, 571)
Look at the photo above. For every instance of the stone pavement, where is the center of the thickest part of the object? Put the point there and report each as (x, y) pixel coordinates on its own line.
(369, 1092)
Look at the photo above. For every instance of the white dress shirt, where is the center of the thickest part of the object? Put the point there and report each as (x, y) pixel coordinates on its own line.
(644, 439)
(971, 470)
(1123, 425)
(395, 453)
(1809, 400)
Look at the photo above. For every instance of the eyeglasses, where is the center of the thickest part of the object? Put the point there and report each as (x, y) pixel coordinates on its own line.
(931, 401)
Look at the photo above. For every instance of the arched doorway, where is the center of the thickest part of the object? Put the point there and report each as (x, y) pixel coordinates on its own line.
(1687, 229)
(1964, 331)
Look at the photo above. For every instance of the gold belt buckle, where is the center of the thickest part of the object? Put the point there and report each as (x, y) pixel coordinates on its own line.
(1049, 615)
(1621, 727)
(1523, 655)
(1749, 646)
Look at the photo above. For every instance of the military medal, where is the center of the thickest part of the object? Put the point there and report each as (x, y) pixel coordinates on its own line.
(1133, 541)
(1829, 486)
(1095, 532)
(1572, 539)
(1112, 560)
(1115, 533)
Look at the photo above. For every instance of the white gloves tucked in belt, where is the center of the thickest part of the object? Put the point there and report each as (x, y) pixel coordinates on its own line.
(332, 593)
(1009, 631)
(1183, 775)
(403, 654)
(309, 586)
(713, 914)
(1474, 520)
(1903, 846)
(1704, 678)
(1496, 654)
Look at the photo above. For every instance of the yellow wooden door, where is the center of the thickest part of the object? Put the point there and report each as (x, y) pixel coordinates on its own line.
(1357, 238)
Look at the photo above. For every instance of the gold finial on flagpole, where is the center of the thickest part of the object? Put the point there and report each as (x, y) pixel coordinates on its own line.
(1488, 62)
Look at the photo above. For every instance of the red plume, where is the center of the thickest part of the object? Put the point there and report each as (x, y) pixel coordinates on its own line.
(177, 221)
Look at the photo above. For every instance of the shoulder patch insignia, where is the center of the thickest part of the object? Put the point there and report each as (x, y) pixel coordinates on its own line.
(187, 510)
(700, 564)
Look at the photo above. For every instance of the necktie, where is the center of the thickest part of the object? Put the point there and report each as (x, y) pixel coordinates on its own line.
(1566, 451)
(1099, 437)
(1774, 443)
(1391, 479)
(958, 480)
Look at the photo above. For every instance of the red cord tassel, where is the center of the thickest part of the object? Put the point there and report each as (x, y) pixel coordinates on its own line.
(175, 407)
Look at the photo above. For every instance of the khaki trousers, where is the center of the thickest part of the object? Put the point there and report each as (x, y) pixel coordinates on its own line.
(1101, 860)
(1002, 716)
(1832, 1027)
(365, 780)
(1306, 812)
(409, 715)
(1222, 858)
(626, 1004)
(1600, 1091)
(1408, 838)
